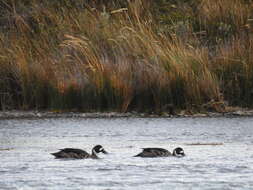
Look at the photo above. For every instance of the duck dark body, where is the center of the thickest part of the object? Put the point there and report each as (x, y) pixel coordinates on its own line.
(154, 152)
(160, 152)
(71, 153)
(79, 153)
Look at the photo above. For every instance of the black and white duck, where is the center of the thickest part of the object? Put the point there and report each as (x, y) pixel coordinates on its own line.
(79, 153)
(160, 152)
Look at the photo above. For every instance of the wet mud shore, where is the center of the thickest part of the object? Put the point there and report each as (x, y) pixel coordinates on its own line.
(16, 114)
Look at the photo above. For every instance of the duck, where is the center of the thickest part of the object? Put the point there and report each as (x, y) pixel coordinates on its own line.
(160, 152)
(75, 153)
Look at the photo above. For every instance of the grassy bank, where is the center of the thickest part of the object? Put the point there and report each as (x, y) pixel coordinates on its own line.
(150, 56)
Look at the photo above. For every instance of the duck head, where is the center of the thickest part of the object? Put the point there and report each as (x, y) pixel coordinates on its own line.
(98, 149)
(178, 152)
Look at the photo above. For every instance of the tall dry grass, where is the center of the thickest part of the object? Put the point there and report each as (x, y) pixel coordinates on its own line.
(94, 57)
(223, 19)
(234, 66)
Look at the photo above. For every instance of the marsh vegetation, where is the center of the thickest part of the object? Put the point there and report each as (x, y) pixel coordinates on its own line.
(146, 56)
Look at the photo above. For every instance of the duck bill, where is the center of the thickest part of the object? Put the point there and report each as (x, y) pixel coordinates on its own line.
(104, 151)
(182, 154)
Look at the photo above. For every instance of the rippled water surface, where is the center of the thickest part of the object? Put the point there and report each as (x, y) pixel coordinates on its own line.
(26, 163)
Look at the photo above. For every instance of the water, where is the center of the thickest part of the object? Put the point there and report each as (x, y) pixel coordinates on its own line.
(28, 165)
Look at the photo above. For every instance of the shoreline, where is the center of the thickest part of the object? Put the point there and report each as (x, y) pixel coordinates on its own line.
(34, 114)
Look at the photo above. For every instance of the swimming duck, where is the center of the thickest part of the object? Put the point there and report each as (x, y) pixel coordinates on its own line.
(78, 153)
(160, 152)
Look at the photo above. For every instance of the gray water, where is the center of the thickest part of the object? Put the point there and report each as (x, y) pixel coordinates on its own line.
(26, 163)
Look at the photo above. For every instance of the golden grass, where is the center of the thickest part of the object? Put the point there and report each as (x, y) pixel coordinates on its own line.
(116, 59)
(224, 18)
(234, 65)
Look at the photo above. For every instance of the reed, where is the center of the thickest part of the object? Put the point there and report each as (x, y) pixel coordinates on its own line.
(234, 66)
(120, 56)
(224, 18)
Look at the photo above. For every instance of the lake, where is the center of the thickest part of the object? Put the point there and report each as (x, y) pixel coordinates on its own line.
(219, 153)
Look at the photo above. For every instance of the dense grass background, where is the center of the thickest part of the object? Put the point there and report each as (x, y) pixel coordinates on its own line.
(142, 55)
